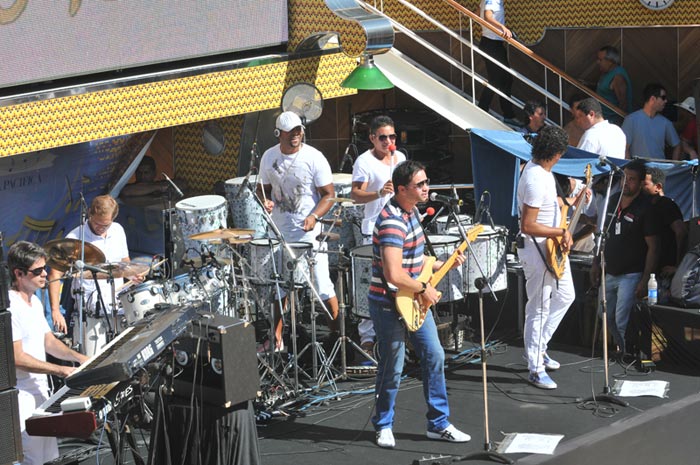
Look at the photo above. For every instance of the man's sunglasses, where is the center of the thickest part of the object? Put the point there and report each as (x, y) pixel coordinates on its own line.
(384, 137)
(38, 271)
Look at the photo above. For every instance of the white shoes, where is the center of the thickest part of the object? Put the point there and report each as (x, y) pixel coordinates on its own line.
(385, 438)
(449, 434)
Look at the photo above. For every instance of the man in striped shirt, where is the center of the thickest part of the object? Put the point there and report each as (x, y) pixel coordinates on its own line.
(398, 243)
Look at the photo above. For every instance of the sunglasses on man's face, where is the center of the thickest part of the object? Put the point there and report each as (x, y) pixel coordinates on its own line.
(384, 137)
(38, 271)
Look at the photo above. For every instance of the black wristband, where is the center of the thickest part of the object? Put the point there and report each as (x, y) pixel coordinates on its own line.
(425, 286)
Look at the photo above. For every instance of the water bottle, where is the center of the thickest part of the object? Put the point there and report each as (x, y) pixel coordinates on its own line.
(652, 296)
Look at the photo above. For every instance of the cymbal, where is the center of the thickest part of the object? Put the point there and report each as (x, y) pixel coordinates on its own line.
(219, 234)
(328, 236)
(119, 270)
(340, 200)
(62, 253)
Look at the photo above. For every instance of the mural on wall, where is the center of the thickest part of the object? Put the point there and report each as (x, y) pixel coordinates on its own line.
(41, 190)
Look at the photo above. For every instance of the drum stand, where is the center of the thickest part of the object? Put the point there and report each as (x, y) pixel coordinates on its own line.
(340, 344)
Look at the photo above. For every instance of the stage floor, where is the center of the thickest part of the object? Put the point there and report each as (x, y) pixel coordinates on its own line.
(339, 432)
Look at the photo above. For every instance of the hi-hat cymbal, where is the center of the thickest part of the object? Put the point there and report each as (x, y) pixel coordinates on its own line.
(62, 253)
(340, 200)
(118, 270)
(220, 234)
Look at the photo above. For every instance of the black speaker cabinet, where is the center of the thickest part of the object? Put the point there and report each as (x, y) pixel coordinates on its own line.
(10, 434)
(672, 333)
(8, 377)
(217, 361)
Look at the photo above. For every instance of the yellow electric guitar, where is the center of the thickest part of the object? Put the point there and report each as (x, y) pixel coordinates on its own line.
(411, 306)
(556, 257)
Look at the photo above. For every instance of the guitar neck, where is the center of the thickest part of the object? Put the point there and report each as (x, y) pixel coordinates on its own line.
(444, 269)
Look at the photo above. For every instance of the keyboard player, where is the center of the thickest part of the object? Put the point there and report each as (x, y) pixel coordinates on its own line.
(32, 339)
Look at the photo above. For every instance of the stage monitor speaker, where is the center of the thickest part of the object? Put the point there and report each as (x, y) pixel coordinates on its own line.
(10, 433)
(8, 377)
(225, 371)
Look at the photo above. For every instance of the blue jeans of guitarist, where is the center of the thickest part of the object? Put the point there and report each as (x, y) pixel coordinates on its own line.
(391, 337)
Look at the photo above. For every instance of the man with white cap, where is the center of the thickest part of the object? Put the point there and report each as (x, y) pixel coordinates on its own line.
(689, 134)
(297, 183)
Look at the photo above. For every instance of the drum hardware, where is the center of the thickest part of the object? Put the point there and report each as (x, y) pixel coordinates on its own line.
(331, 221)
(328, 236)
(340, 345)
(117, 270)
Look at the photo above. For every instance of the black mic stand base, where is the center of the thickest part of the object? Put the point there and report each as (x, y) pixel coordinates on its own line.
(486, 454)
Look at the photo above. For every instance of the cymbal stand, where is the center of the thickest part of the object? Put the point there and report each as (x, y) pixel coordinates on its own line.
(340, 345)
(83, 223)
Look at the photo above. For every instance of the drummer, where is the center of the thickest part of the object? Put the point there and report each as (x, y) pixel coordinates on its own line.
(372, 186)
(108, 237)
(298, 183)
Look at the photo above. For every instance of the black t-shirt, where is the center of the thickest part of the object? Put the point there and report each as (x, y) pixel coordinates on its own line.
(665, 212)
(625, 247)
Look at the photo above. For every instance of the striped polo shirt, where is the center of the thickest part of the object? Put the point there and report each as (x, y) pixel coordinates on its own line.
(395, 227)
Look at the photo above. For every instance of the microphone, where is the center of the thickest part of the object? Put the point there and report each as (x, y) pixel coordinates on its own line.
(81, 265)
(392, 148)
(430, 211)
(346, 156)
(603, 161)
(443, 199)
(174, 186)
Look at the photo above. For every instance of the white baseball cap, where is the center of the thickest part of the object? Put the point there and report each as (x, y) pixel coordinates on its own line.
(688, 105)
(287, 121)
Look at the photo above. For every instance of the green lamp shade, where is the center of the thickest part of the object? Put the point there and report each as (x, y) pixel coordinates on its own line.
(367, 77)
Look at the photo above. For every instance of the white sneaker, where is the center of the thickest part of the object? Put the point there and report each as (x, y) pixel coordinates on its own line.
(450, 434)
(385, 438)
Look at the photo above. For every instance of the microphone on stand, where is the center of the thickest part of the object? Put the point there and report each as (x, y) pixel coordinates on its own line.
(346, 157)
(603, 161)
(81, 265)
(173, 185)
(445, 200)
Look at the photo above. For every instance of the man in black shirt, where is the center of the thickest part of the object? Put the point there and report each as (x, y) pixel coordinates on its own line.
(673, 232)
(630, 251)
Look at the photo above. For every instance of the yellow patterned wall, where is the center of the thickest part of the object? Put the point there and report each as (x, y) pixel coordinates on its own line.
(63, 121)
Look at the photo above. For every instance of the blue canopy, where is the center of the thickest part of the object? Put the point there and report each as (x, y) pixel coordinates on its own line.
(496, 158)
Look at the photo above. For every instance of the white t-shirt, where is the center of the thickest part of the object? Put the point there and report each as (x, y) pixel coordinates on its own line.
(29, 326)
(499, 13)
(537, 189)
(605, 139)
(114, 247)
(368, 169)
(295, 180)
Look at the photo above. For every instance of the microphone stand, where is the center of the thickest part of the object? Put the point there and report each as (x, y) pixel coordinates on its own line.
(81, 303)
(599, 250)
(487, 453)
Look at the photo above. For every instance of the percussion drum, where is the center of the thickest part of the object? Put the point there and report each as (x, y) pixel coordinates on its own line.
(181, 289)
(349, 230)
(490, 249)
(302, 250)
(262, 254)
(452, 285)
(361, 277)
(198, 215)
(342, 183)
(137, 300)
(246, 212)
(211, 286)
(441, 225)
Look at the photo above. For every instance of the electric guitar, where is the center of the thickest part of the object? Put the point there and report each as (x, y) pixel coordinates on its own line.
(411, 306)
(556, 257)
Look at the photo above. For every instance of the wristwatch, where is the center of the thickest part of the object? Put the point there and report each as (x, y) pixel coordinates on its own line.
(315, 216)
(425, 286)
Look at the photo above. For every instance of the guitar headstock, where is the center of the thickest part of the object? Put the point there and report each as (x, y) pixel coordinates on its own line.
(589, 175)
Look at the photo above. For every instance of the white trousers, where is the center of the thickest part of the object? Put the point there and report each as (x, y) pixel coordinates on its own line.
(547, 303)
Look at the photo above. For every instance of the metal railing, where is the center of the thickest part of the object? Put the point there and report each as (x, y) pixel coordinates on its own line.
(550, 92)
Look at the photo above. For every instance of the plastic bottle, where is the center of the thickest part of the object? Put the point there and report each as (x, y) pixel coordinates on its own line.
(652, 286)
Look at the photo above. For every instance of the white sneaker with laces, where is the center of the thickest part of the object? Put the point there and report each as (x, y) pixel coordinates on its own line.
(385, 438)
(449, 434)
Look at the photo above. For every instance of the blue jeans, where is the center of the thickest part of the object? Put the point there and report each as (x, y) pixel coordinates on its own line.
(391, 334)
(619, 293)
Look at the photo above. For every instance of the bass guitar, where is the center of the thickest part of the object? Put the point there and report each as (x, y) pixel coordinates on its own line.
(411, 306)
(556, 257)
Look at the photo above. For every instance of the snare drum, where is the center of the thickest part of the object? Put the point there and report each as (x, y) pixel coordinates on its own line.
(137, 300)
(452, 284)
(441, 223)
(490, 249)
(361, 277)
(246, 211)
(197, 215)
